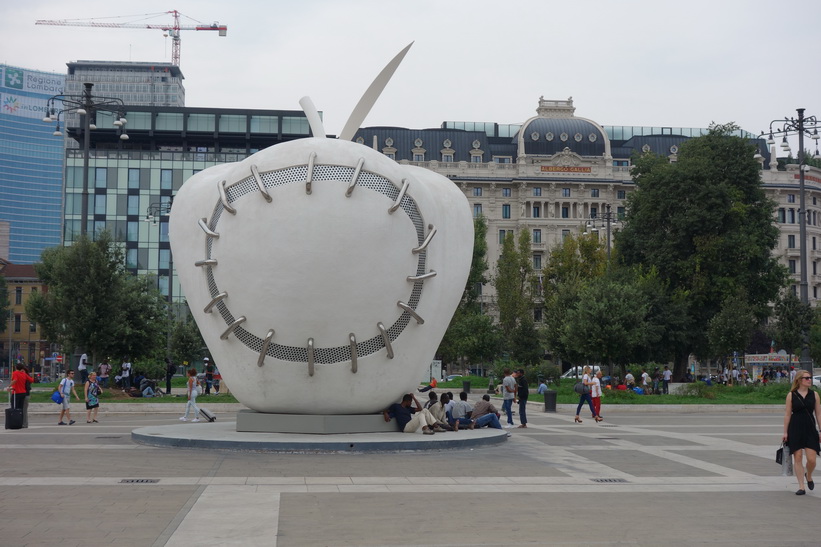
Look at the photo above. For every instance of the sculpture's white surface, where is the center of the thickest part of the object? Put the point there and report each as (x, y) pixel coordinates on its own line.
(320, 262)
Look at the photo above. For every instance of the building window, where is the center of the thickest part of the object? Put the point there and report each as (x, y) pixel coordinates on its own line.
(506, 210)
(565, 212)
(565, 234)
(134, 179)
(99, 204)
(167, 178)
(477, 192)
(132, 232)
(501, 237)
(813, 243)
(782, 215)
(505, 192)
(537, 235)
(537, 192)
(32, 326)
(565, 192)
(165, 257)
(594, 193)
(790, 216)
(620, 213)
(537, 315)
(502, 159)
(477, 209)
(537, 211)
(100, 177)
(814, 267)
(537, 262)
(794, 290)
(791, 242)
(594, 212)
(131, 259)
(18, 296)
(391, 155)
(621, 194)
(475, 159)
(792, 266)
(418, 157)
(133, 205)
(17, 320)
(447, 158)
(790, 198)
(815, 292)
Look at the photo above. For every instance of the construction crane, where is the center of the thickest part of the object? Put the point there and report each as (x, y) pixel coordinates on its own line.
(172, 29)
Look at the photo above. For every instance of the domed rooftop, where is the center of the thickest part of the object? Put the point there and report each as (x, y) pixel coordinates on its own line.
(556, 128)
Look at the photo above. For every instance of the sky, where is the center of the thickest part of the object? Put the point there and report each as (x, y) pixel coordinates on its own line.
(625, 62)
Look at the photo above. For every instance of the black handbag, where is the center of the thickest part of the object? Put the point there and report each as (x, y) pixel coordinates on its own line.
(779, 455)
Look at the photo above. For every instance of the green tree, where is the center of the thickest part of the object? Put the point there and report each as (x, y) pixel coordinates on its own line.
(609, 322)
(705, 224)
(791, 319)
(462, 336)
(93, 303)
(731, 329)
(513, 282)
(578, 260)
(187, 344)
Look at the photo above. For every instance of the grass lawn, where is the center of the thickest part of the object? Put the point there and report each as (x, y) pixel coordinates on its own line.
(696, 393)
(116, 395)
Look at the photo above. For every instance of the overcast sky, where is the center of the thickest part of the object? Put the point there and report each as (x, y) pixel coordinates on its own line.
(625, 62)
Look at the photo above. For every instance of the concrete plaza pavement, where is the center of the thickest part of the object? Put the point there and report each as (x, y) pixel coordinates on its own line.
(640, 478)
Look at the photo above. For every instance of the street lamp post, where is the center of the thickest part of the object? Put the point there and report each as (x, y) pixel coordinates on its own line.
(607, 220)
(801, 126)
(86, 105)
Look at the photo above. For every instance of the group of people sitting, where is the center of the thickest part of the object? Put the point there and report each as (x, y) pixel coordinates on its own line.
(442, 413)
(143, 387)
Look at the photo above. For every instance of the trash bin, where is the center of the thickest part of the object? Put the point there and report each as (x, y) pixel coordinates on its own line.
(466, 386)
(550, 400)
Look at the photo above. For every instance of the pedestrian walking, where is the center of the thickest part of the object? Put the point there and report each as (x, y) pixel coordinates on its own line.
(92, 391)
(193, 391)
(595, 395)
(585, 397)
(125, 374)
(522, 393)
(801, 428)
(66, 388)
(18, 387)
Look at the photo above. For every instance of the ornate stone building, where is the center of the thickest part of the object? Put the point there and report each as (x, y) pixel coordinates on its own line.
(558, 174)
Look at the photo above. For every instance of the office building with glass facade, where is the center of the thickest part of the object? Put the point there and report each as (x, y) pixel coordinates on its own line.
(135, 83)
(132, 183)
(31, 164)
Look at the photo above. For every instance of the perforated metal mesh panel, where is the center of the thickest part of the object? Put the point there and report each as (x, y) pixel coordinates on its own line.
(321, 173)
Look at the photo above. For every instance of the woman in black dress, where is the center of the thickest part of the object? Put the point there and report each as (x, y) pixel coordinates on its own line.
(800, 428)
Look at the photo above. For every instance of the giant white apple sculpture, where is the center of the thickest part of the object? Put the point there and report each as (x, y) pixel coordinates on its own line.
(321, 273)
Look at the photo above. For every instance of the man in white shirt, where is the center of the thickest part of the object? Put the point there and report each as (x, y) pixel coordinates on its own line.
(508, 394)
(666, 376)
(125, 374)
(645, 382)
(459, 412)
(83, 368)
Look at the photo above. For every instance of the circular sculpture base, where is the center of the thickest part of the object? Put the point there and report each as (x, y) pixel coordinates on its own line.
(224, 436)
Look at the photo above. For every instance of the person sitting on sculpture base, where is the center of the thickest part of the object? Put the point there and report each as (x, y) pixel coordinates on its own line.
(409, 418)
